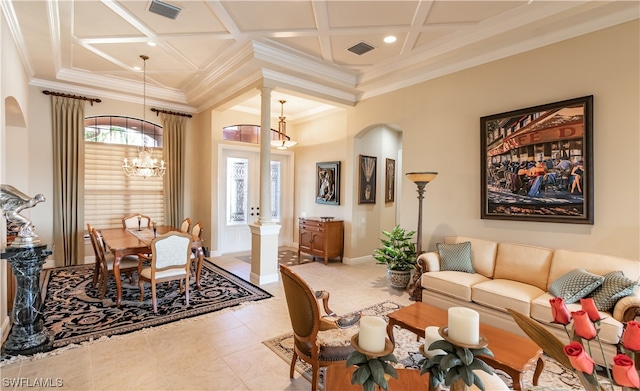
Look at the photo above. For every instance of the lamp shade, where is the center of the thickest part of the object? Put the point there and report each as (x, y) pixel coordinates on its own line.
(424, 176)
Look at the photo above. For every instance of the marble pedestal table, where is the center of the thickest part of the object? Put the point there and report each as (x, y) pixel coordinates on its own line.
(28, 334)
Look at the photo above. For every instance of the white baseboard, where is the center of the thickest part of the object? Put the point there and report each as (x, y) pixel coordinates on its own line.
(359, 260)
(261, 280)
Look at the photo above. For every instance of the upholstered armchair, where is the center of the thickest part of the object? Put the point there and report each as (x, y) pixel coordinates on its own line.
(170, 260)
(315, 341)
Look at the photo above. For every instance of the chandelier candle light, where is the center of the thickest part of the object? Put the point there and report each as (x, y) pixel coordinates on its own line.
(145, 165)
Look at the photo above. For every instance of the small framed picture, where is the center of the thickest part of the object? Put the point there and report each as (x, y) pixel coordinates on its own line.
(390, 180)
(328, 183)
(367, 181)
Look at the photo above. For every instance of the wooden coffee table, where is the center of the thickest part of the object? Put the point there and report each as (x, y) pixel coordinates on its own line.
(338, 378)
(513, 353)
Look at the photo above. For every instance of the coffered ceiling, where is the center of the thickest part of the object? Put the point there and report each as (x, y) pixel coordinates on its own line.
(215, 53)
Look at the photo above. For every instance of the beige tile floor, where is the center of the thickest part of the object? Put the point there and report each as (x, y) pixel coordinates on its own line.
(219, 351)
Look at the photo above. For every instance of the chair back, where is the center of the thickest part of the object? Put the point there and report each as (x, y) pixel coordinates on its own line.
(303, 307)
(197, 230)
(98, 247)
(171, 250)
(131, 221)
(186, 224)
(93, 240)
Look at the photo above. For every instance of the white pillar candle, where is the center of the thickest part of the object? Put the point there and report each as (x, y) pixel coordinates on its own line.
(373, 334)
(431, 335)
(464, 325)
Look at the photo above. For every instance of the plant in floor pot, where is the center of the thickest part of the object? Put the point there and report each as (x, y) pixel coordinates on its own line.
(398, 252)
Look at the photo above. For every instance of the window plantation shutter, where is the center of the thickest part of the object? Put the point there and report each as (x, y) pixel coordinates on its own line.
(110, 194)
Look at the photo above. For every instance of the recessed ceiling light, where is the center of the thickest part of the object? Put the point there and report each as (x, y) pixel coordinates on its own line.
(136, 68)
(151, 43)
(390, 39)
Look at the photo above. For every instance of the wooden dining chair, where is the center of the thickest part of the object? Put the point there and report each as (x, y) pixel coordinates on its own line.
(197, 254)
(131, 221)
(105, 260)
(186, 224)
(170, 260)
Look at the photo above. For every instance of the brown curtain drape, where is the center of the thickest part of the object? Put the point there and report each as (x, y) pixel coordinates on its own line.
(173, 129)
(68, 179)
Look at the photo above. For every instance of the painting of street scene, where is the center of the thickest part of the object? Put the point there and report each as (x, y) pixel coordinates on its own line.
(536, 163)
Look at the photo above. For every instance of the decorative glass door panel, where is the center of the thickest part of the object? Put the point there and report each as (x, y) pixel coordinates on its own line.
(241, 195)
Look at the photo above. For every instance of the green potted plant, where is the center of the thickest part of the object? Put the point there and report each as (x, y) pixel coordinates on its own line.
(398, 252)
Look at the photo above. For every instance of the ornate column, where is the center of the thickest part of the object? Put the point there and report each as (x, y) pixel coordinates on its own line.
(264, 232)
(28, 334)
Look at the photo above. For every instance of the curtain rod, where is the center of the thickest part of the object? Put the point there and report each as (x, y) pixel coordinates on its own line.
(158, 111)
(91, 100)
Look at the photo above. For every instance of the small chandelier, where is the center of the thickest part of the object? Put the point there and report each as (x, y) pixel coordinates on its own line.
(145, 165)
(283, 141)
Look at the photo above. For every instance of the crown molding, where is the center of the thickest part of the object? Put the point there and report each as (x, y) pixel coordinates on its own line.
(114, 83)
(16, 32)
(442, 46)
(310, 88)
(287, 58)
(106, 94)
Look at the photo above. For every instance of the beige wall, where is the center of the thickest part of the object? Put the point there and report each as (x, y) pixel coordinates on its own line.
(14, 163)
(440, 124)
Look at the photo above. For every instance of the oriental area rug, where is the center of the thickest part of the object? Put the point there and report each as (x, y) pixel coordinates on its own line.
(74, 312)
(554, 377)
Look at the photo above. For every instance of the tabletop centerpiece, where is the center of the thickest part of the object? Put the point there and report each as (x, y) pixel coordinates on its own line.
(452, 358)
(373, 353)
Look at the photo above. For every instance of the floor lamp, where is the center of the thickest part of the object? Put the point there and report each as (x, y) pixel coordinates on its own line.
(420, 179)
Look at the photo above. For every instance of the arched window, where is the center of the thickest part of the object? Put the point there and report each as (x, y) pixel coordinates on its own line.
(109, 193)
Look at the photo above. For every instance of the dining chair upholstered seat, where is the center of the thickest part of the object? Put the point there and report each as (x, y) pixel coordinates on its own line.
(307, 324)
(104, 262)
(170, 260)
(131, 221)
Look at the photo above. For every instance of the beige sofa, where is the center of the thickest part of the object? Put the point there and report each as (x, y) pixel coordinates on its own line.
(518, 276)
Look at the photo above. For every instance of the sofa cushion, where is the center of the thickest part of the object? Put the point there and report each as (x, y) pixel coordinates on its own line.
(483, 253)
(614, 287)
(455, 257)
(565, 260)
(575, 285)
(454, 284)
(610, 329)
(502, 294)
(526, 264)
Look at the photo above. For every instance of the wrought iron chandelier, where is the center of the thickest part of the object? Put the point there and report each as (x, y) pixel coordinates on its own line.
(144, 165)
(283, 141)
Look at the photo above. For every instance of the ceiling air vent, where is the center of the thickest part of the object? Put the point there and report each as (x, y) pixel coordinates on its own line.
(164, 9)
(361, 48)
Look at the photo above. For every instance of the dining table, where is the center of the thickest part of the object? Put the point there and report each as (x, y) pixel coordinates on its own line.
(133, 241)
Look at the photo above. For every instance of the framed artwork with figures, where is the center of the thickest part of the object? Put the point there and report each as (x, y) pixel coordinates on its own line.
(537, 163)
(367, 179)
(328, 183)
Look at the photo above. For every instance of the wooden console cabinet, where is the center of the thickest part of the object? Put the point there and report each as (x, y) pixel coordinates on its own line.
(321, 238)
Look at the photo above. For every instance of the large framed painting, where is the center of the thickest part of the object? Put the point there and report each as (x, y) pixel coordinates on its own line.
(328, 183)
(537, 163)
(390, 180)
(367, 181)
